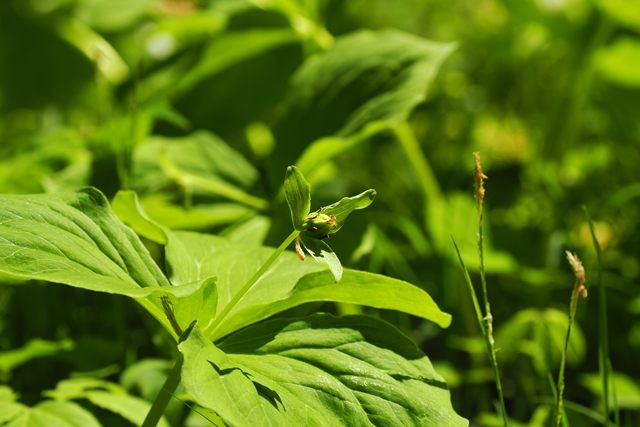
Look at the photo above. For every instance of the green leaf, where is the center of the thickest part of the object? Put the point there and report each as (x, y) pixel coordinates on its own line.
(343, 208)
(625, 391)
(48, 413)
(317, 371)
(200, 305)
(322, 253)
(624, 11)
(193, 257)
(126, 205)
(108, 62)
(450, 217)
(74, 239)
(298, 195)
(367, 77)
(112, 15)
(355, 287)
(35, 348)
(163, 210)
(251, 232)
(106, 395)
(146, 377)
(201, 163)
(540, 335)
(620, 62)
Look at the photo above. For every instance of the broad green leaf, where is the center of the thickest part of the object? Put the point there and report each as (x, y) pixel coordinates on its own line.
(200, 305)
(48, 413)
(456, 216)
(620, 62)
(232, 48)
(540, 335)
(322, 253)
(317, 371)
(128, 407)
(193, 257)
(74, 239)
(624, 11)
(298, 195)
(366, 77)
(161, 209)
(106, 395)
(323, 150)
(127, 206)
(355, 287)
(55, 161)
(624, 391)
(251, 232)
(35, 348)
(200, 154)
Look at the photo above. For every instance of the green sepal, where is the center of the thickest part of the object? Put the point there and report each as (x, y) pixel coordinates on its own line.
(329, 219)
(298, 194)
(323, 254)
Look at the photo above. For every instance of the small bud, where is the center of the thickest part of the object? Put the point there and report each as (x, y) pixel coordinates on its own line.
(319, 225)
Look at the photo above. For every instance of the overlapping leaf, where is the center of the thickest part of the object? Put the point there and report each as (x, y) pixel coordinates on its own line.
(193, 257)
(317, 371)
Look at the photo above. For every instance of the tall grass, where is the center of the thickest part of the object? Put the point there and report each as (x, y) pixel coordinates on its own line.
(604, 362)
(579, 290)
(484, 321)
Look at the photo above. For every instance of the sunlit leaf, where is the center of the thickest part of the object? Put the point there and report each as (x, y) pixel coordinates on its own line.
(317, 371)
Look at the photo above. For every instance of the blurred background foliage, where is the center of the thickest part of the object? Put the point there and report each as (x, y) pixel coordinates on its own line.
(200, 105)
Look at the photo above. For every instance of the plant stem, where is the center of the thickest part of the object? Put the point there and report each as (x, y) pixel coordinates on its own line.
(578, 290)
(488, 317)
(603, 329)
(211, 328)
(407, 139)
(164, 395)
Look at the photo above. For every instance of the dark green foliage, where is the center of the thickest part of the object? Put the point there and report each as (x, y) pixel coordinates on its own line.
(186, 114)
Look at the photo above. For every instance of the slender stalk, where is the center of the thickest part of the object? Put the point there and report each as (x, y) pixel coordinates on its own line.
(578, 290)
(164, 395)
(603, 329)
(407, 139)
(210, 329)
(488, 317)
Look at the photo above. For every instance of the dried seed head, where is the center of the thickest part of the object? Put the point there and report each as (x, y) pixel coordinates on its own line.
(480, 177)
(578, 271)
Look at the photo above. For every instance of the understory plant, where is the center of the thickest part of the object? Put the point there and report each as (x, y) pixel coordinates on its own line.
(239, 357)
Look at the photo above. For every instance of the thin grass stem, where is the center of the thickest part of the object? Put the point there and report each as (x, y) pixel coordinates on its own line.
(578, 290)
(488, 317)
(604, 363)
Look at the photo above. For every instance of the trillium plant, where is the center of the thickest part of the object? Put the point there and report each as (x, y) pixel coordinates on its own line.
(240, 358)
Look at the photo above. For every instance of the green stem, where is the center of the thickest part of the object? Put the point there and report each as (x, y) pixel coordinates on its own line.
(211, 328)
(559, 397)
(603, 329)
(488, 317)
(407, 139)
(164, 395)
